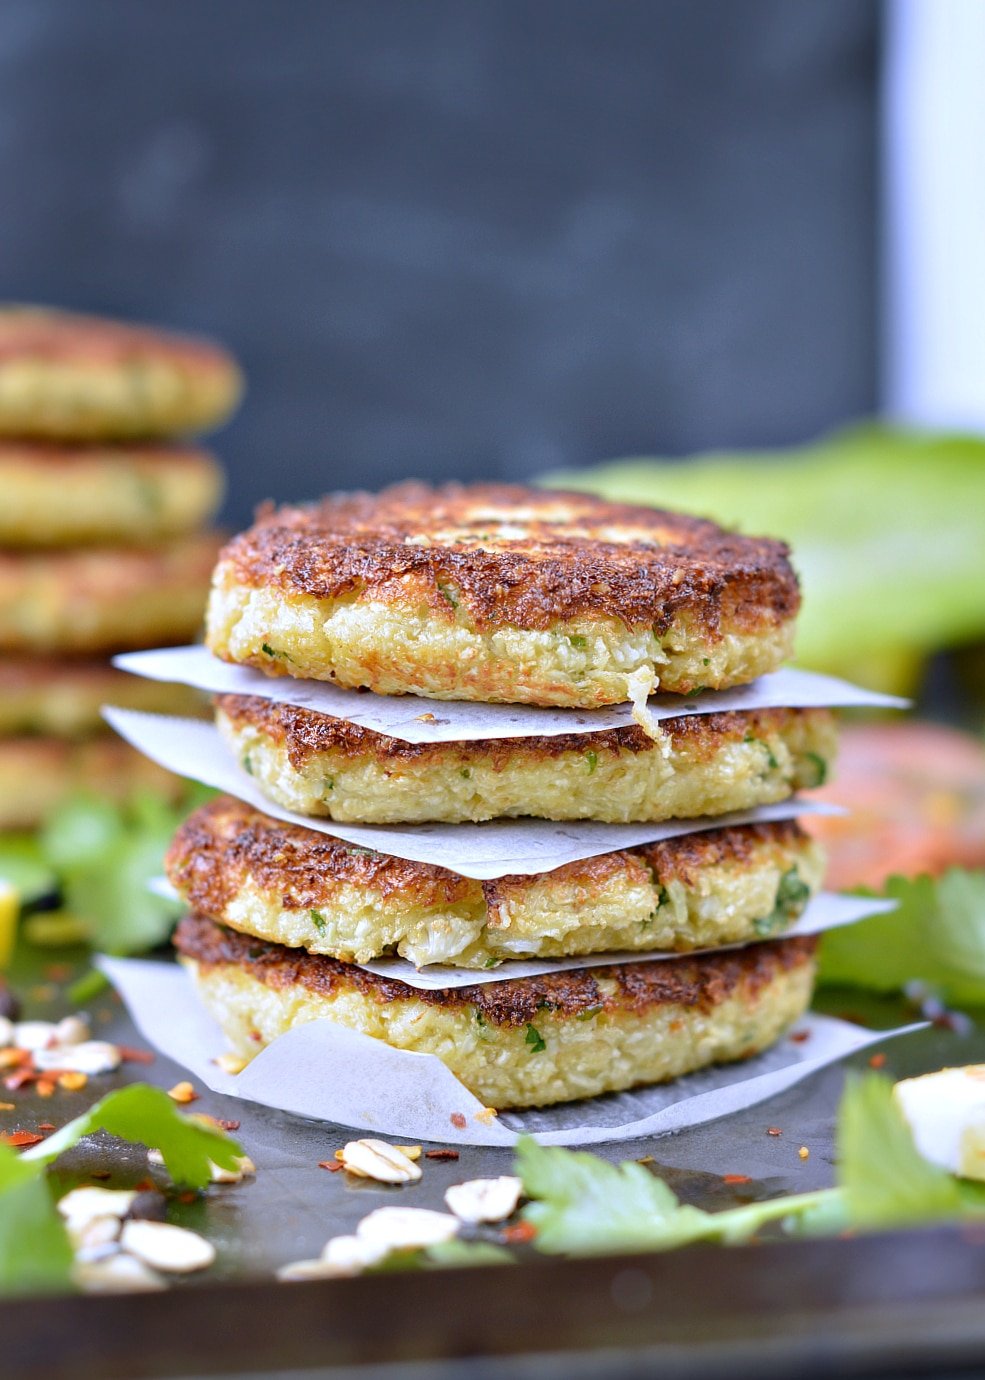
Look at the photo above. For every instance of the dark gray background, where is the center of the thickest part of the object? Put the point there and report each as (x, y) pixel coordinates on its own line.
(456, 237)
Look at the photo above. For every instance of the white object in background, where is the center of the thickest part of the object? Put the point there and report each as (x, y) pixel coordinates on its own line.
(946, 1113)
(934, 212)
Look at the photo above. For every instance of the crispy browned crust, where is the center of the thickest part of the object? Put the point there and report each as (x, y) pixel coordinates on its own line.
(563, 567)
(703, 982)
(226, 841)
(42, 333)
(305, 733)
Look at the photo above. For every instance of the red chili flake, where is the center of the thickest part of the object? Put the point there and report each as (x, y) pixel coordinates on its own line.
(136, 1056)
(20, 1138)
(46, 1126)
(441, 1154)
(333, 1166)
(457, 1119)
(145, 1186)
(799, 1036)
(774, 1131)
(736, 1179)
(58, 972)
(519, 1233)
(187, 1197)
(255, 1036)
(877, 1061)
(229, 1125)
(13, 1081)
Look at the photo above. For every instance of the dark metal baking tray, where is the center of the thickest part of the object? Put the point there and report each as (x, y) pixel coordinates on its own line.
(901, 1304)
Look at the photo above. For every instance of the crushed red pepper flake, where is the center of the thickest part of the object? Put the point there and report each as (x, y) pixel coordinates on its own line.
(17, 1080)
(46, 1126)
(519, 1232)
(189, 1196)
(20, 1138)
(877, 1061)
(736, 1179)
(58, 972)
(457, 1119)
(774, 1131)
(441, 1154)
(229, 1125)
(333, 1166)
(799, 1037)
(136, 1056)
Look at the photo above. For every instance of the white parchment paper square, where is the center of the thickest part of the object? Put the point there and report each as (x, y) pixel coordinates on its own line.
(417, 720)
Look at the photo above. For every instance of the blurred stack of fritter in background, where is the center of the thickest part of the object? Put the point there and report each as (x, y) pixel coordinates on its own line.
(105, 540)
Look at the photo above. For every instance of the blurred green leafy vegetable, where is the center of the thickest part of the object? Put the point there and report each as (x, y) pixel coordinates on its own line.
(100, 857)
(885, 526)
(936, 937)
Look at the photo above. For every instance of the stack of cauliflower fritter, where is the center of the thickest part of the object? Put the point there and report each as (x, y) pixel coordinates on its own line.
(498, 594)
(104, 539)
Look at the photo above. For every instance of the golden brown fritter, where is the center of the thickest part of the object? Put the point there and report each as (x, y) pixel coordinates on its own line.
(707, 764)
(102, 599)
(65, 376)
(82, 496)
(307, 890)
(500, 593)
(525, 1041)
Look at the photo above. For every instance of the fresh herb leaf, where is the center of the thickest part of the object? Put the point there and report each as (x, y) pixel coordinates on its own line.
(318, 920)
(583, 1204)
(24, 865)
(592, 758)
(147, 1116)
(105, 857)
(455, 1253)
(885, 1180)
(578, 640)
(35, 1254)
(535, 1040)
(936, 936)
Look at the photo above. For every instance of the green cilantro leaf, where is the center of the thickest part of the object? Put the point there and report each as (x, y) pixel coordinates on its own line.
(105, 857)
(937, 936)
(24, 866)
(35, 1255)
(535, 1040)
(585, 1204)
(147, 1116)
(455, 1253)
(886, 1181)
